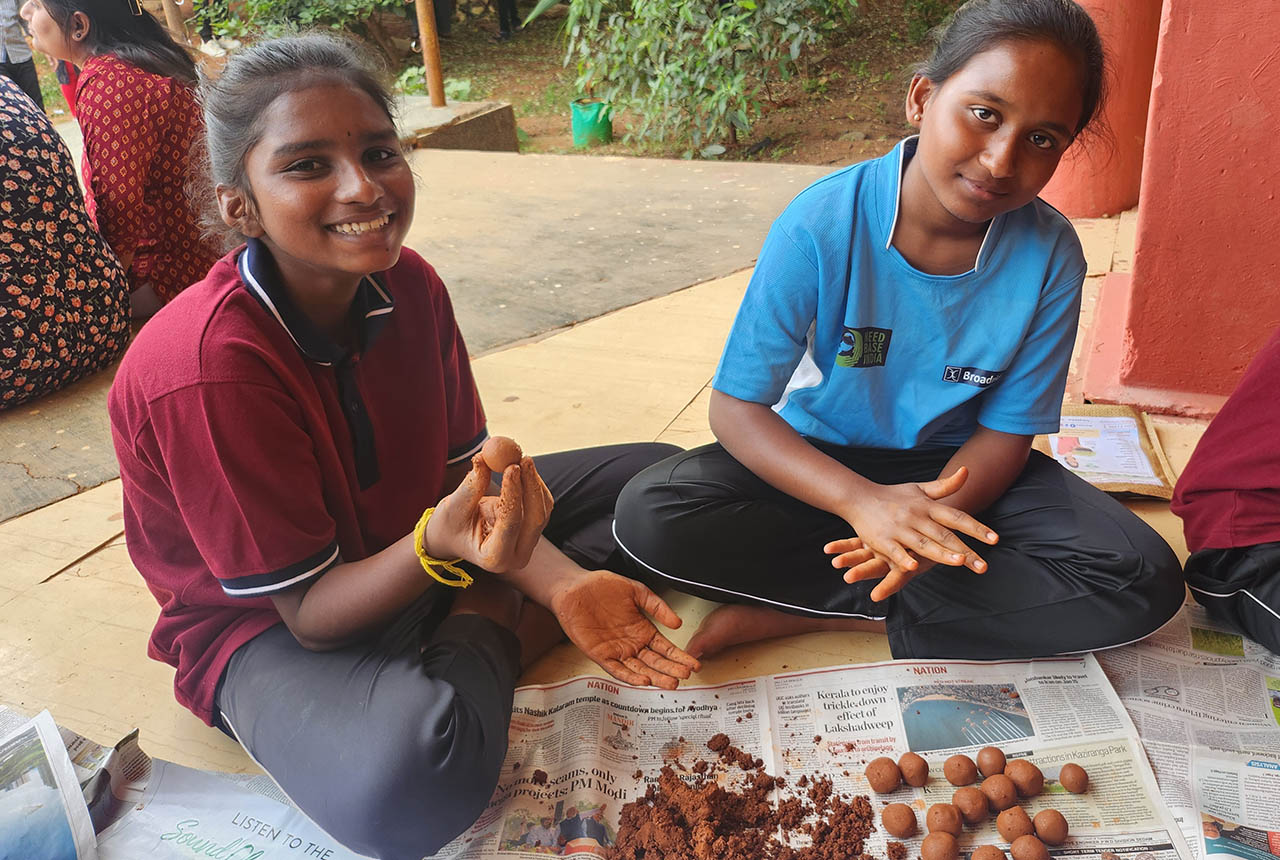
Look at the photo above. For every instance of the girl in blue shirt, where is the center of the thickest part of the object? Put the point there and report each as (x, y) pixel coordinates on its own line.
(906, 333)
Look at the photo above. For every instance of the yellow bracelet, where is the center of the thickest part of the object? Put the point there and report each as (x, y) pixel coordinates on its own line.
(430, 564)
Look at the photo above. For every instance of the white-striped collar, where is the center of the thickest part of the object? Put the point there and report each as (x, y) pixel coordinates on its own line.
(906, 149)
(258, 272)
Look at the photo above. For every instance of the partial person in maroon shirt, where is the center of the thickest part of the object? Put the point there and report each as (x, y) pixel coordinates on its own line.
(297, 437)
(136, 105)
(1229, 501)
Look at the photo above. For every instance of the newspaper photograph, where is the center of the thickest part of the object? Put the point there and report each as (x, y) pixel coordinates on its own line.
(42, 813)
(582, 749)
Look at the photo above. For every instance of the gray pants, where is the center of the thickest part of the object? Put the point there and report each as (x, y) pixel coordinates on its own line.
(1074, 569)
(393, 747)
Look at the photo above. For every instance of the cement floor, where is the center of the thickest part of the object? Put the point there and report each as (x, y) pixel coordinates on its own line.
(75, 615)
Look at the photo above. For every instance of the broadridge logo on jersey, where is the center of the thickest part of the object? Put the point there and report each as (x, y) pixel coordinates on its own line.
(970, 375)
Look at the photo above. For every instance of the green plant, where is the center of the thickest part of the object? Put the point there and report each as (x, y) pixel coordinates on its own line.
(412, 81)
(277, 17)
(691, 71)
(819, 84)
(923, 15)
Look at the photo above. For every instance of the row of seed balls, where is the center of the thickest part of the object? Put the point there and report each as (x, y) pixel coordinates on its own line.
(1004, 782)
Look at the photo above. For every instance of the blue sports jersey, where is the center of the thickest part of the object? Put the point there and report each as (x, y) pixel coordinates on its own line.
(854, 346)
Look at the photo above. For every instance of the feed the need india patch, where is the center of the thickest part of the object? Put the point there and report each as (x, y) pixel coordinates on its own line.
(864, 347)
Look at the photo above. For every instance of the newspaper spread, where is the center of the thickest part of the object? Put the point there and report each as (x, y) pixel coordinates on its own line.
(1206, 703)
(42, 814)
(580, 749)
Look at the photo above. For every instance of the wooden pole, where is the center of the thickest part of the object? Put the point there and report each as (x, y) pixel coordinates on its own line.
(429, 40)
(174, 21)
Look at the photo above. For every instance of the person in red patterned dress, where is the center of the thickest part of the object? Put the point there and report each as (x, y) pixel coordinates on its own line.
(64, 300)
(136, 105)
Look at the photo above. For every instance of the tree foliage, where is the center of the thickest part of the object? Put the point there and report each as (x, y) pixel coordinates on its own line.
(692, 70)
(277, 17)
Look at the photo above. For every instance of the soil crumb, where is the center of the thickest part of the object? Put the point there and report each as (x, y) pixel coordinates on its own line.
(697, 818)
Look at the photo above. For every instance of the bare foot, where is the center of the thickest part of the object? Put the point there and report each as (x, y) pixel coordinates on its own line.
(538, 632)
(733, 625)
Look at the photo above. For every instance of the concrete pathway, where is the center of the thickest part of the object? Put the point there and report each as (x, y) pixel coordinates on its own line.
(527, 244)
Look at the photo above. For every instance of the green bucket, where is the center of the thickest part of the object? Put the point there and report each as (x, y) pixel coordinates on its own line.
(592, 122)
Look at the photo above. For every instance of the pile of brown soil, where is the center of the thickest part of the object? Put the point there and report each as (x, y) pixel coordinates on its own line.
(677, 820)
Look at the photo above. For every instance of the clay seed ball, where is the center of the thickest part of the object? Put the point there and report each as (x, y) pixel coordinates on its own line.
(1014, 822)
(987, 852)
(990, 761)
(1028, 848)
(1051, 826)
(1073, 778)
(945, 817)
(1026, 776)
(960, 770)
(972, 804)
(883, 775)
(941, 845)
(899, 820)
(915, 770)
(499, 452)
(1000, 791)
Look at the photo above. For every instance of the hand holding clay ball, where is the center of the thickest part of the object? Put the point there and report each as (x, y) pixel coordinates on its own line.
(1026, 776)
(1051, 826)
(972, 804)
(1000, 791)
(1073, 778)
(915, 770)
(939, 845)
(946, 818)
(990, 761)
(1028, 848)
(883, 775)
(899, 820)
(960, 770)
(1014, 822)
(498, 533)
(499, 452)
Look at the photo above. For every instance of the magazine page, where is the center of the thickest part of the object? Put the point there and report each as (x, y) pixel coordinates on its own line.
(42, 813)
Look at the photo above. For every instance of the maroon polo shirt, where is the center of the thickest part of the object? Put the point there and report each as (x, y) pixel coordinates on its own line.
(255, 453)
(1229, 494)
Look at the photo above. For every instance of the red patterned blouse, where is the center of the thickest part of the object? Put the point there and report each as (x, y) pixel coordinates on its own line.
(138, 131)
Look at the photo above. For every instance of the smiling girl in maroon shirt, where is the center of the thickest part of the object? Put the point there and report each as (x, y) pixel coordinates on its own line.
(283, 424)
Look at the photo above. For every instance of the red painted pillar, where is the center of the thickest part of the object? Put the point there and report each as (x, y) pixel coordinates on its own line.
(1094, 177)
(1204, 295)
